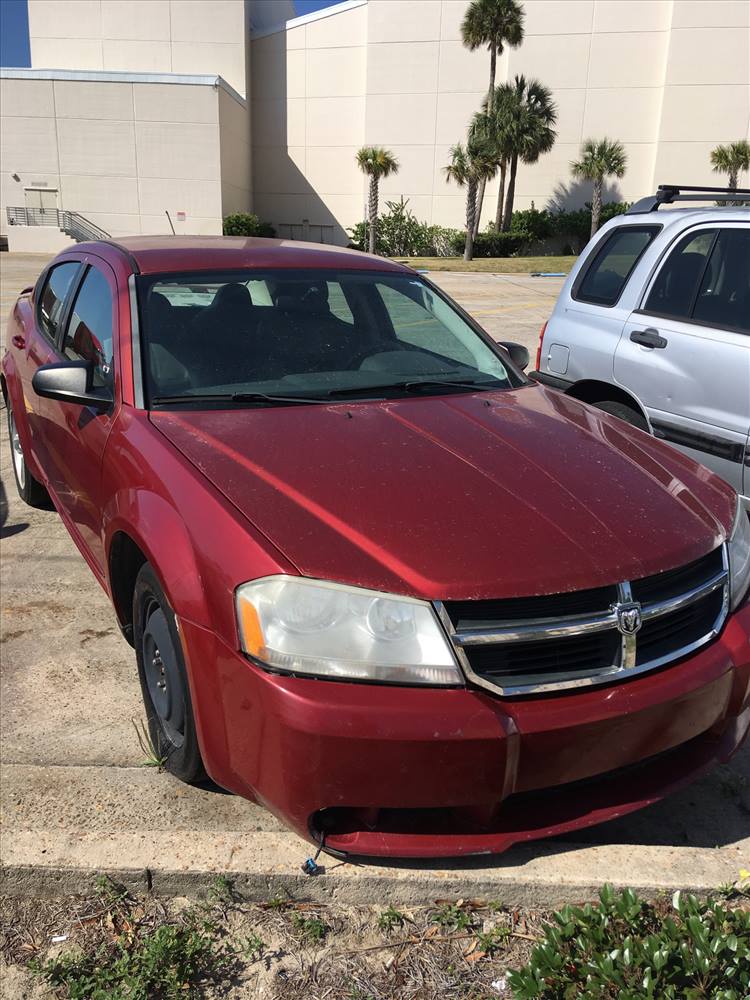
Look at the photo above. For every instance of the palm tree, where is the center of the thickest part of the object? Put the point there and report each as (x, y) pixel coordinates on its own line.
(526, 120)
(376, 163)
(494, 23)
(502, 105)
(600, 158)
(467, 167)
(483, 136)
(732, 160)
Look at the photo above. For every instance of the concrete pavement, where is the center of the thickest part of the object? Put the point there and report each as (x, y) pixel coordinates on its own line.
(76, 799)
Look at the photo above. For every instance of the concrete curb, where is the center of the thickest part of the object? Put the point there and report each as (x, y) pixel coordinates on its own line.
(261, 866)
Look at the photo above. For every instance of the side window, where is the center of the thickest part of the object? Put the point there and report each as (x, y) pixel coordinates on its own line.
(89, 333)
(605, 278)
(52, 298)
(724, 295)
(673, 293)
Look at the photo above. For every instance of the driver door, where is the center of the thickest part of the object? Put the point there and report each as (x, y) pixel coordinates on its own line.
(76, 435)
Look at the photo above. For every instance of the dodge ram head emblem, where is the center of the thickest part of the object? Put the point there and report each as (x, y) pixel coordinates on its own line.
(629, 618)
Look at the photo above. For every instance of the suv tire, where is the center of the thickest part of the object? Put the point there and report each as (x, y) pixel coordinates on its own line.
(164, 683)
(624, 412)
(30, 490)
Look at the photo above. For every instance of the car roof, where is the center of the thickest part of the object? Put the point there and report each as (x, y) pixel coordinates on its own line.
(668, 216)
(160, 254)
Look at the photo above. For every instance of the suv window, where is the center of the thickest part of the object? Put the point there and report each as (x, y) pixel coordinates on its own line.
(724, 295)
(52, 299)
(89, 333)
(606, 276)
(676, 286)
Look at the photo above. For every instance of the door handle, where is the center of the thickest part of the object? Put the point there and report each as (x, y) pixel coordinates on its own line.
(18, 341)
(648, 338)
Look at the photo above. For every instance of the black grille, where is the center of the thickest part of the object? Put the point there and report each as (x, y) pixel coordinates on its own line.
(678, 581)
(663, 635)
(522, 662)
(518, 664)
(487, 614)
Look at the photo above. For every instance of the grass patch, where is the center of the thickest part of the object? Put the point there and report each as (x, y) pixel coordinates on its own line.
(490, 265)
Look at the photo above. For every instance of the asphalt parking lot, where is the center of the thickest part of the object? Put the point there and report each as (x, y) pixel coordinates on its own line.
(76, 797)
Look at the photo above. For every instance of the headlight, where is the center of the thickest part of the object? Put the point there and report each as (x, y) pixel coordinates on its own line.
(739, 557)
(310, 627)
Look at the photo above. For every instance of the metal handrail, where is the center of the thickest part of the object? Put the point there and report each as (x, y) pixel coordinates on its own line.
(72, 224)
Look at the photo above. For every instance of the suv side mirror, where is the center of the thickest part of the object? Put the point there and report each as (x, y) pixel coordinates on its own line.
(519, 354)
(69, 382)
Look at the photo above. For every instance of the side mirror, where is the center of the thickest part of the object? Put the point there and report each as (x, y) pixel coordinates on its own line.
(69, 382)
(519, 354)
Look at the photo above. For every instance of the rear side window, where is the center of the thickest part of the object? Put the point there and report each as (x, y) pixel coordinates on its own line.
(724, 294)
(605, 278)
(52, 298)
(89, 333)
(674, 291)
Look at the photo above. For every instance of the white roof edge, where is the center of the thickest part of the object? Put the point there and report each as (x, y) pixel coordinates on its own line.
(115, 76)
(317, 15)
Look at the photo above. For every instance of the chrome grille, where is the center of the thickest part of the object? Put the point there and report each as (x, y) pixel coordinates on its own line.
(554, 642)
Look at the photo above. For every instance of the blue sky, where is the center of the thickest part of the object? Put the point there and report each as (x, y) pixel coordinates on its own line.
(14, 28)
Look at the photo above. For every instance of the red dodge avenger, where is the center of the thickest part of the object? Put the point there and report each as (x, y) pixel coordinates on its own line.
(376, 579)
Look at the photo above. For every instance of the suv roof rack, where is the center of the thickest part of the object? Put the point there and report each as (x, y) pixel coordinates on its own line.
(667, 194)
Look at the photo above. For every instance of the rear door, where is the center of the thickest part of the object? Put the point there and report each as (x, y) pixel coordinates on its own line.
(583, 332)
(39, 346)
(685, 351)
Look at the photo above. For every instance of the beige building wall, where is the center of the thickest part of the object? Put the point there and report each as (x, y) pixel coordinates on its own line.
(122, 151)
(141, 36)
(668, 78)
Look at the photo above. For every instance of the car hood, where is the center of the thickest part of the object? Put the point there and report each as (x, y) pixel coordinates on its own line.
(480, 495)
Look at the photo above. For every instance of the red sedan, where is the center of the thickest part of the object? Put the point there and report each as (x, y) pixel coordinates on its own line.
(375, 578)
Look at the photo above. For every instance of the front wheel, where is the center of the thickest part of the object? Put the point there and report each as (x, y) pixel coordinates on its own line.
(624, 412)
(164, 683)
(29, 489)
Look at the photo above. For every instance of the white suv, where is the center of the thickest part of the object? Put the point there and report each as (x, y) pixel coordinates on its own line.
(653, 325)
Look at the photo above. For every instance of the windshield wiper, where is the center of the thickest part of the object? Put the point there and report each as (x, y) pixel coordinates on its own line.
(241, 397)
(414, 385)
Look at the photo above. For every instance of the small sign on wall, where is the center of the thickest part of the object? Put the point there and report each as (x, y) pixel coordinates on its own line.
(181, 216)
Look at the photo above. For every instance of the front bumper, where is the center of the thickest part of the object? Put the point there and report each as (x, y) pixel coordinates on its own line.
(426, 772)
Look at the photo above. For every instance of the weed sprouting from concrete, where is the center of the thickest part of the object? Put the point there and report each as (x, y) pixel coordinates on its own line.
(152, 757)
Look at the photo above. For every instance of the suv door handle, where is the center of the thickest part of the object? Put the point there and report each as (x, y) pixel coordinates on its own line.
(18, 341)
(648, 338)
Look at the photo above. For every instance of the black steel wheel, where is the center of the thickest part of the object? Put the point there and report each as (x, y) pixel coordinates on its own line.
(164, 683)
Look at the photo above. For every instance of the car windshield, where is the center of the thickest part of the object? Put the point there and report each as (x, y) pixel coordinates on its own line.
(290, 336)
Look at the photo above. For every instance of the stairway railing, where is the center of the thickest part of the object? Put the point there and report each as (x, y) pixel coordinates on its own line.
(72, 224)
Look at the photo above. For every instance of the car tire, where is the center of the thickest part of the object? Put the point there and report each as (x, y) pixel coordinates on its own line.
(624, 412)
(164, 682)
(30, 490)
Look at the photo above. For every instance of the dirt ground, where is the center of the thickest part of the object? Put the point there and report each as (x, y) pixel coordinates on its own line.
(280, 950)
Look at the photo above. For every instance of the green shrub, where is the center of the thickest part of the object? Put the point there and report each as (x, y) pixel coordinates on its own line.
(401, 234)
(539, 224)
(247, 224)
(493, 244)
(629, 949)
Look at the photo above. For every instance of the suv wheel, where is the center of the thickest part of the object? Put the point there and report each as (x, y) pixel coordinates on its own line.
(624, 412)
(29, 489)
(164, 684)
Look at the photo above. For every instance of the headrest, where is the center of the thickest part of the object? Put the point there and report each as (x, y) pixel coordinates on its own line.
(232, 296)
(159, 306)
